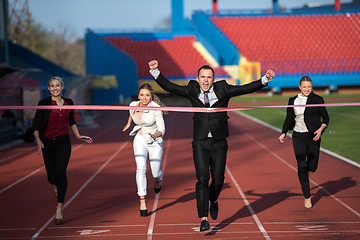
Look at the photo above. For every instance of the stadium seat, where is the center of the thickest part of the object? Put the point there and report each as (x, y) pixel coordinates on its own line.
(318, 43)
(177, 56)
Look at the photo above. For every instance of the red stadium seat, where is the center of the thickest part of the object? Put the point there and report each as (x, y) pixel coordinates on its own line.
(177, 56)
(319, 43)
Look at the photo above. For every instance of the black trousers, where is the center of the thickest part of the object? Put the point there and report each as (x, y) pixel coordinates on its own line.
(307, 156)
(56, 153)
(209, 158)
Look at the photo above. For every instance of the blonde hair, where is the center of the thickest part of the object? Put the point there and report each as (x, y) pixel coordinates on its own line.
(56, 78)
(154, 97)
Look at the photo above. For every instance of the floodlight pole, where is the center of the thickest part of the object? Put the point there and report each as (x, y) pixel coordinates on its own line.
(337, 5)
(215, 9)
(3, 32)
(275, 7)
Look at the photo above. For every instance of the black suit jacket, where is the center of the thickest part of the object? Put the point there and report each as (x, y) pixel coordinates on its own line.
(313, 116)
(217, 122)
(42, 115)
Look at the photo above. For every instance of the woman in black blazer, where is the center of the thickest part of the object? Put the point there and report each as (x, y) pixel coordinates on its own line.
(308, 124)
(51, 128)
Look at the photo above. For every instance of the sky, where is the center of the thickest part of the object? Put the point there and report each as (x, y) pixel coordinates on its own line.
(132, 15)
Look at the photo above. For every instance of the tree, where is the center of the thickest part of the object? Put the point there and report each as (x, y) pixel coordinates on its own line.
(57, 46)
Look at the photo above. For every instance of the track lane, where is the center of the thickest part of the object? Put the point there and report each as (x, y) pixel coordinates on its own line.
(108, 206)
(271, 180)
(27, 204)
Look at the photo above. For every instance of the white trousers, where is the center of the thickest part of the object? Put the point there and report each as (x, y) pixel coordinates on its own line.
(141, 151)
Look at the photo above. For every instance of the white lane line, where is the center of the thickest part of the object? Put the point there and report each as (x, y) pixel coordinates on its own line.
(40, 168)
(253, 214)
(281, 223)
(312, 181)
(92, 232)
(90, 235)
(21, 179)
(191, 224)
(337, 199)
(156, 201)
(342, 158)
(82, 187)
(108, 226)
(9, 157)
(317, 231)
(244, 234)
(169, 234)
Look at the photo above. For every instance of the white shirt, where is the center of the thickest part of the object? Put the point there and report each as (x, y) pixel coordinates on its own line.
(212, 99)
(151, 121)
(211, 95)
(300, 125)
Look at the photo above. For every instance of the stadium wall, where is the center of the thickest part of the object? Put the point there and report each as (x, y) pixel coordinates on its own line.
(103, 59)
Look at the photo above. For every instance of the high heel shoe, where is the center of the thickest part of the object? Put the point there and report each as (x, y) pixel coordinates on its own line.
(59, 220)
(307, 203)
(157, 189)
(143, 212)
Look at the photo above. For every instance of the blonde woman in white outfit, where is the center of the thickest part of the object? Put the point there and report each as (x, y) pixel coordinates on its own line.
(148, 132)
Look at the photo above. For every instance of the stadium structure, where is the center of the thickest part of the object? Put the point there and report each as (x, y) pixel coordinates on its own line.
(320, 41)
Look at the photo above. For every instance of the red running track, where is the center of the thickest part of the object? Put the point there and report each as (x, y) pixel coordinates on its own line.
(261, 198)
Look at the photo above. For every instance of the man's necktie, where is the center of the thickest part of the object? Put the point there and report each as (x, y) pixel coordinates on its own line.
(206, 99)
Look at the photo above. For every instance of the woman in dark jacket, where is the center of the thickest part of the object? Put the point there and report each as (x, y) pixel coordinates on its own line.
(51, 132)
(308, 124)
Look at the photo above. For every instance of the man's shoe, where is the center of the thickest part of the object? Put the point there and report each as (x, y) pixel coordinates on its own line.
(214, 209)
(204, 225)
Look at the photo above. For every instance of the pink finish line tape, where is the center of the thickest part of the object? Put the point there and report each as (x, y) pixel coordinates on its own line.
(172, 109)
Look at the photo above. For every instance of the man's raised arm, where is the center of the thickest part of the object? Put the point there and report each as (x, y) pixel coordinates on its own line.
(165, 83)
(154, 71)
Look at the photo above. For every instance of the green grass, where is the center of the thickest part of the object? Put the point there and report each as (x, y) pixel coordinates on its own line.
(342, 135)
(253, 97)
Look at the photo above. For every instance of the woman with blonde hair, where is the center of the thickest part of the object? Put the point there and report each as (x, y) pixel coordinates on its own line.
(148, 131)
(51, 132)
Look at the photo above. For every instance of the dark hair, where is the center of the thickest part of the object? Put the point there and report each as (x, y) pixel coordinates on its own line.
(154, 97)
(206, 67)
(305, 79)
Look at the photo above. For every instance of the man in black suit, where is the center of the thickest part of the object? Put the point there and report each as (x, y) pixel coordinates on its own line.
(210, 130)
